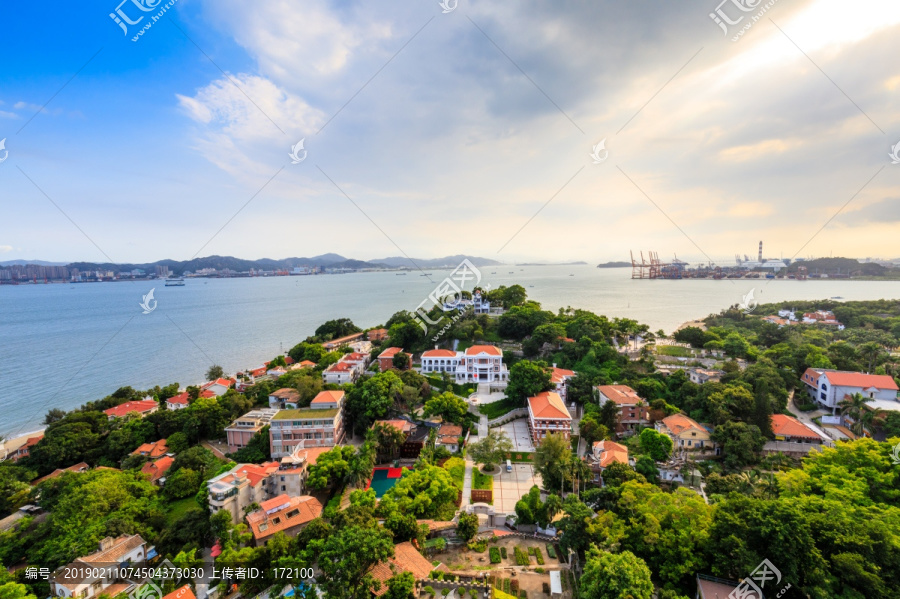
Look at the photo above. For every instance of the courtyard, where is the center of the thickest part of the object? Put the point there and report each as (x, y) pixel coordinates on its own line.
(509, 487)
(518, 432)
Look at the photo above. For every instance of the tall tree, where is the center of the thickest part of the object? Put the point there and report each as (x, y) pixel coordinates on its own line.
(491, 450)
(551, 460)
(347, 557)
(615, 576)
(527, 379)
(215, 371)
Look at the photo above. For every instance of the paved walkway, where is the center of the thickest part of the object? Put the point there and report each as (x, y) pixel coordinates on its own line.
(467, 484)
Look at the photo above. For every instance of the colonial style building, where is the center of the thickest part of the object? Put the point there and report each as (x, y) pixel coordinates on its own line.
(560, 378)
(633, 413)
(141, 408)
(704, 375)
(386, 358)
(340, 373)
(548, 414)
(440, 360)
(482, 364)
(285, 398)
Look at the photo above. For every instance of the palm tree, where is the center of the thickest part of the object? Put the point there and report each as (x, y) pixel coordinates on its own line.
(361, 466)
(855, 407)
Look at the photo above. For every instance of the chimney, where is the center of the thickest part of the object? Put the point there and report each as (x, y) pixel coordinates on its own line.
(106, 543)
(554, 364)
(760, 251)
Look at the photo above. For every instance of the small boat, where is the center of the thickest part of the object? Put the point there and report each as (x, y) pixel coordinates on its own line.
(512, 272)
(426, 274)
(837, 297)
(770, 276)
(493, 273)
(174, 282)
(400, 274)
(571, 275)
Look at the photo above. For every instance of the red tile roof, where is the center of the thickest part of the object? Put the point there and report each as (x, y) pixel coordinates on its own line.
(184, 592)
(491, 350)
(340, 367)
(611, 452)
(354, 357)
(406, 559)
(158, 469)
(858, 379)
(558, 374)
(152, 450)
(788, 426)
(620, 394)
(141, 406)
(286, 393)
(449, 433)
(328, 397)
(678, 423)
(227, 383)
(307, 363)
(79, 467)
(548, 405)
(298, 511)
(390, 352)
(402, 425)
(439, 353)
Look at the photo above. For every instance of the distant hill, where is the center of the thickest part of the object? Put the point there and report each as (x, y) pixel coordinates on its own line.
(614, 265)
(445, 262)
(35, 262)
(329, 260)
(844, 266)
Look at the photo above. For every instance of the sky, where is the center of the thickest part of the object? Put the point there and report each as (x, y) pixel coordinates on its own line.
(436, 129)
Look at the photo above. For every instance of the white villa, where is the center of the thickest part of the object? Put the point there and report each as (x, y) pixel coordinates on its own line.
(478, 364)
(829, 387)
(478, 304)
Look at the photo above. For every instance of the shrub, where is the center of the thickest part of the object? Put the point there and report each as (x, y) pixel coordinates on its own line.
(514, 586)
(539, 556)
(539, 570)
(531, 551)
(445, 592)
(430, 590)
(551, 551)
(478, 545)
(495, 555)
(521, 557)
(506, 584)
(523, 595)
(503, 552)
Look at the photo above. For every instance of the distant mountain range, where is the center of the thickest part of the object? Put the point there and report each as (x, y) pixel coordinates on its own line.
(329, 260)
(35, 262)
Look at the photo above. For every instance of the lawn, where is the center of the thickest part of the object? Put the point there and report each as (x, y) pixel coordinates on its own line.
(482, 481)
(179, 508)
(457, 469)
(674, 350)
(498, 408)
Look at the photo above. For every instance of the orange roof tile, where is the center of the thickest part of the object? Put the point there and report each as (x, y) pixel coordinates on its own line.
(453, 431)
(406, 559)
(402, 425)
(390, 352)
(622, 395)
(328, 397)
(140, 406)
(306, 363)
(858, 379)
(611, 452)
(158, 469)
(548, 405)
(788, 426)
(678, 423)
(152, 450)
(491, 350)
(557, 375)
(297, 512)
(439, 353)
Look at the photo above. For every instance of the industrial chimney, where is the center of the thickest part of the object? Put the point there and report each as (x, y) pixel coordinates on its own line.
(760, 252)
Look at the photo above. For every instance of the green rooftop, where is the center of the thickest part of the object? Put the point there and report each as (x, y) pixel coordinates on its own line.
(304, 414)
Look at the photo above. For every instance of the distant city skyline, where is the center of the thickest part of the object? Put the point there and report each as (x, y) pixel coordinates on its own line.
(482, 131)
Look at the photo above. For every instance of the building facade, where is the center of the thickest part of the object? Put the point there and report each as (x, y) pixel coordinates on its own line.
(482, 364)
(548, 414)
(828, 388)
(240, 487)
(127, 550)
(239, 432)
(319, 425)
(633, 412)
